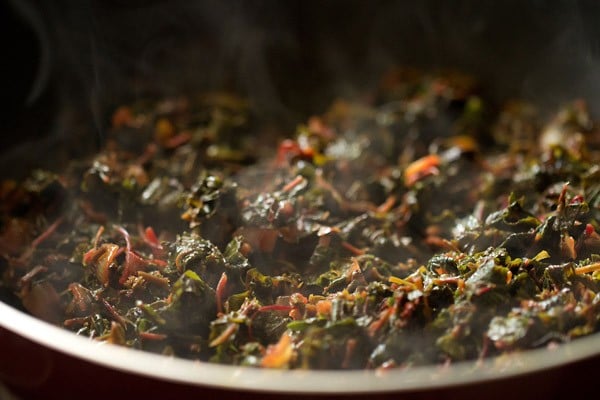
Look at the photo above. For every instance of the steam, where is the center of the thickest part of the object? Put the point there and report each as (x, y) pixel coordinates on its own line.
(545, 53)
(36, 22)
(294, 58)
(336, 47)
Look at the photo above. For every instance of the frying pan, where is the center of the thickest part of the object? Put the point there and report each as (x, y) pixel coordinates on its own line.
(291, 59)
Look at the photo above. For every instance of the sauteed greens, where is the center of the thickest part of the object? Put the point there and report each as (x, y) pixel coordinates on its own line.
(422, 226)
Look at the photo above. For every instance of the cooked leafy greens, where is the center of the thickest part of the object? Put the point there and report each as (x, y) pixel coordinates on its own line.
(423, 227)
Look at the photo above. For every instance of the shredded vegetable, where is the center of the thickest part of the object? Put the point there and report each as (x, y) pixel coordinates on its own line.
(423, 227)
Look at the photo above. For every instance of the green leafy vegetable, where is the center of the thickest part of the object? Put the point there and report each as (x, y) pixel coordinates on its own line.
(424, 226)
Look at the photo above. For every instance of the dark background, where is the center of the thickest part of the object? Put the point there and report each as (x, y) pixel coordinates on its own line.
(70, 62)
